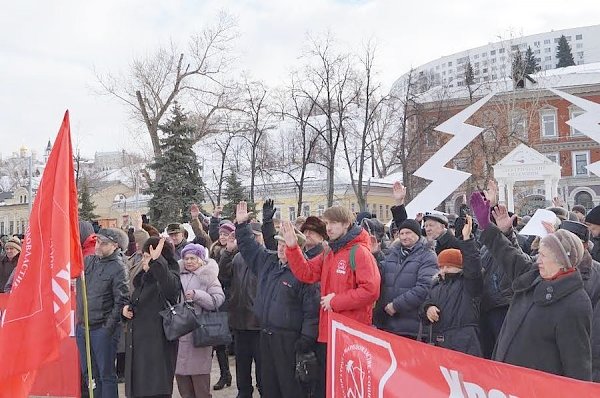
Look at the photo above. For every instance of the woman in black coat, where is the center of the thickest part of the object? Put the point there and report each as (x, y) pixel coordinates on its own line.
(149, 357)
(548, 323)
(452, 304)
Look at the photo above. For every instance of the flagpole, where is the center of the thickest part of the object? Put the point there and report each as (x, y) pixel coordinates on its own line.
(86, 324)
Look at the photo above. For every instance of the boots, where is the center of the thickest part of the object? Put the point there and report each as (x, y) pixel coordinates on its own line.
(225, 379)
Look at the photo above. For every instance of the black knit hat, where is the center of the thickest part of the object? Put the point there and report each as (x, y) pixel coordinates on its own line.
(593, 216)
(411, 224)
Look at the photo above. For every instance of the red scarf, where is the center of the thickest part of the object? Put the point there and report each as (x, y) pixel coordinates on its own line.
(561, 273)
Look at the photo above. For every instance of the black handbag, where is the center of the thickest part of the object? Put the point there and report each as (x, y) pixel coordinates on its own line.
(212, 329)
(178, 319)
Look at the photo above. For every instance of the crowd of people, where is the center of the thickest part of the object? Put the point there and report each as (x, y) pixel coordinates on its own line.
(468, 282)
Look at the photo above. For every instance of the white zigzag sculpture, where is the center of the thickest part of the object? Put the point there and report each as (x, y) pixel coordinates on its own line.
(444, 181)
(587, 123)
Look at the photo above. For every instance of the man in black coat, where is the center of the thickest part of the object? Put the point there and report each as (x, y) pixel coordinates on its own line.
(592, 220)
(288, 311)
(107, 293)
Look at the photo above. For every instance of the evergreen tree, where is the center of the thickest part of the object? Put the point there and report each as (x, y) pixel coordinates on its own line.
(531, 64)
(518, 70)
(178, 183)
(233, 193)
(469, 74)
(564, 54)
(86, 206)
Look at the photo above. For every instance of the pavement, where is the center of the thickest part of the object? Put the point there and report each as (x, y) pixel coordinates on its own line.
(227, 392)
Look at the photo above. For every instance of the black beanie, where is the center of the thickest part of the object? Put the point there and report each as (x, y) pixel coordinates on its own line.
(593, 216)
(411, 224)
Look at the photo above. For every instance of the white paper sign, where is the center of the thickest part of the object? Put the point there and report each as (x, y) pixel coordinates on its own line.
(535, 226)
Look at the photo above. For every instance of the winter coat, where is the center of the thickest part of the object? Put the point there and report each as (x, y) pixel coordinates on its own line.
(149, 358)
(447, 240)
(107, 291)
(202, 237)
(595, 251)
(458, 297)
(355, 291)
(497, 290)
(208, 295)
(282, 303)
(242, 291)
(548, 323)
(6, 269)
(406, 279)
(590, 273)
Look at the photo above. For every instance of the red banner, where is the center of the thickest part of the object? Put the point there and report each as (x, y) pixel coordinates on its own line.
(364, 362)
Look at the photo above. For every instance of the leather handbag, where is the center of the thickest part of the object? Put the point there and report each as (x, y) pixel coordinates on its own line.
(178, 319)
(212, 329)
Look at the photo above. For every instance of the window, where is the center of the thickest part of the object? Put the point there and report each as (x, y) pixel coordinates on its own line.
(381, 212)
(536, 43)
(483, 55)
(2, 227)
(556, 39)
(548, 123)
(485, 70)
(292, 211)
(547, 41)
(547, 50)
(572, 114)
(11, 227)
(548, 58)
(476, 56)
(449, 63)
(585, 199)
(306, 210)
(493, 52)
(580, 162)
(387, 210)
(578, 37)
(554, 157)
(537, 51)
(501, 51)
(579, 45)
(493, 60)
(580, 54)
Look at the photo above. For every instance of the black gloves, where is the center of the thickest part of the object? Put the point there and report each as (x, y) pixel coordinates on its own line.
(304, 344)
(268, 210)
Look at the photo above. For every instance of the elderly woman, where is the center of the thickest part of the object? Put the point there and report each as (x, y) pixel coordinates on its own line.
(548, 323)
(200, 286)
(149, 357)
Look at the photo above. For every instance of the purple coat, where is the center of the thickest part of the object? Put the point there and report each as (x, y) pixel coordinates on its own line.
(198, 360)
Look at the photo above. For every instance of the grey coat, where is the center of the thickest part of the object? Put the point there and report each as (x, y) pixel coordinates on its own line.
(548, 323)
(206, 286)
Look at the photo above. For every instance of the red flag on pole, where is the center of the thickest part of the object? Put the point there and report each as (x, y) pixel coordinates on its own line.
(38, 313)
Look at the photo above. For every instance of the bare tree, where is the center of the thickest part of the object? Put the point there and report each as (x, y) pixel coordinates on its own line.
(156, 81)
(357, 141)
(331, 86)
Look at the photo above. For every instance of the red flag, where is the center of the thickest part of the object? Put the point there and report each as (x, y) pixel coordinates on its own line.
(38, 313)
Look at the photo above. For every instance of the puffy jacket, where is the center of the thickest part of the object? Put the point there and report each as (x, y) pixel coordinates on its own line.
(282, 301)
(548, 323)
(107, 290)
(355, 291)
(242, 292)
(406, 278)
(458, 297)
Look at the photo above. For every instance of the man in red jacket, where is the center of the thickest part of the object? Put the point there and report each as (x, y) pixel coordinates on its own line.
(348, 287)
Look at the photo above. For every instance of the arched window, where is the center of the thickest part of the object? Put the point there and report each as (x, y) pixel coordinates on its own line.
(585, 199)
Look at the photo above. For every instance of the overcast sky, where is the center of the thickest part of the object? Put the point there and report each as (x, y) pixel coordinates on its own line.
(50, 49)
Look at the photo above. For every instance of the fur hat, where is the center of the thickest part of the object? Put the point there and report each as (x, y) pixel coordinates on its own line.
(315, 224)
(565, 246)
(450, 257)
(593, 216)
(195, 249)
(579, 229)
(114, 235)
(174, 228)
(411, 224)
(579, 209)
(13, 242)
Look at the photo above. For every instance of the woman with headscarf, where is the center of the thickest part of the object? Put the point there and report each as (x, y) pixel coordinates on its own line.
(149, 357)
(548, 323)
(201, 287)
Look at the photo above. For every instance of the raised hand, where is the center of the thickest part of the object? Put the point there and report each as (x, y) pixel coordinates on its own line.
(194, 211)
(268, 210)
(399, 192)
(481, 208)
(467, 228)
(156, 251)
(503, 220)
(491, 193)
(288, 233)
(241, 212)
(558, 202)
(419, 217)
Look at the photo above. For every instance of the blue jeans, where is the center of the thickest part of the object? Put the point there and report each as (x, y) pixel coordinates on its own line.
(103, 347)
